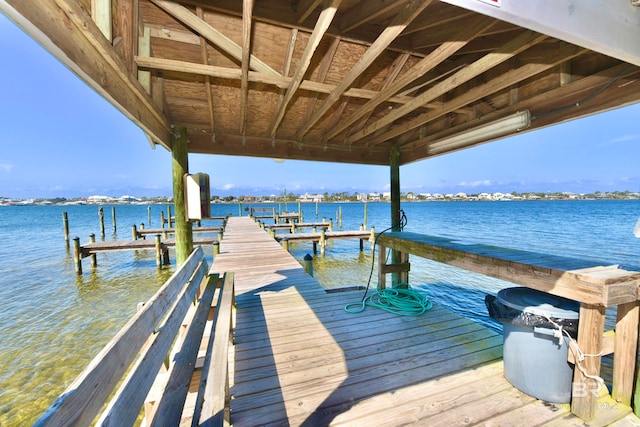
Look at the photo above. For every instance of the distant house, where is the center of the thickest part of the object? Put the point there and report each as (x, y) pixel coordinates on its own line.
(96, 200)
(311, 198)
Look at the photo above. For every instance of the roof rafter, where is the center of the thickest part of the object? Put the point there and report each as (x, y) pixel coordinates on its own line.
(365, 12)
(326, 16)
(427, 64)
(508, 50)
(509, 78)
(214, 36)
(393, 30)
(247, 7)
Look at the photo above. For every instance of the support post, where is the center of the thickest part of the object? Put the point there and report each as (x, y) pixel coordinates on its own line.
(113, 218)
(94, 257)
(183, 230)
(101, 216)
(382, 278)
(158, 251)
(65, 225)
(216, 248)
(323, 241)
(395, 203)
(134, 232)
(585, 390)
(77, 258)
(366, 214)
(149, 215)
(625, 352)
(285, 243)
(308, 264)
(162, 219)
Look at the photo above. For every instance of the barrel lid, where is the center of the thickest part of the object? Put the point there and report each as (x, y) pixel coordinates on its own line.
(539, 303)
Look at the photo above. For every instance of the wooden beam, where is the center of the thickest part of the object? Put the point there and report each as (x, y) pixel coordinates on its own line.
(125, 40)
(214, 36)
(247, 7)
(326, 16)
(282, 82)
(509, 50)
(323, 70)
(207, 79)
(144, 49)
(509, 78)
(625, 355)
(66, 31)
(393, 30)
(427, 64)
(305, 8)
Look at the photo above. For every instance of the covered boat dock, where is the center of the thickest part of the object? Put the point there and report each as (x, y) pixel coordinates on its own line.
(354, 81)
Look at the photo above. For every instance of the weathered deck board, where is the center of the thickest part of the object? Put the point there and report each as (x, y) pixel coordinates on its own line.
(300, 359)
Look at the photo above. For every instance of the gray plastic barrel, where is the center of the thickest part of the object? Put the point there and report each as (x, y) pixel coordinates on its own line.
(535, 361)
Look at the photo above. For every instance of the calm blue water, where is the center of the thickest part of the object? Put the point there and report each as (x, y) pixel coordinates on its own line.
(53, 322)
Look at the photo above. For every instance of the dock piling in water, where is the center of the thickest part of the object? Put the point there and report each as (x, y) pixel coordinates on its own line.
(65, 225)
(113, 217)
(77, 260)
(101, 216)
(94, 257)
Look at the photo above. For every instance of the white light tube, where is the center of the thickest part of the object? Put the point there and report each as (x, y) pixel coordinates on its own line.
(501, 127)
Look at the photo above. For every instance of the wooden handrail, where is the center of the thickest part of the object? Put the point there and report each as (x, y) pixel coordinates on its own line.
(86, 396)
(213, 394)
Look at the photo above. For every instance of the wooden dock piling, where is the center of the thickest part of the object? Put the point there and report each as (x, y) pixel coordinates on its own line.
(113, 218)
(77, 261)
(94, 258)
(65, 225)
(101, 216)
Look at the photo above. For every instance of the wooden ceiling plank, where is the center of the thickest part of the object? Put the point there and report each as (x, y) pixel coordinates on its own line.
(427, 64)
(306, 8)
(390, 33)
(508, 50)
(214, 36)
(323, 70)
(247, 7)
(366, 11)
(326, 16)
(509, 78)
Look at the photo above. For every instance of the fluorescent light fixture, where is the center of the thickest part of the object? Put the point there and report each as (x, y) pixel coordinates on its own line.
(501, 127)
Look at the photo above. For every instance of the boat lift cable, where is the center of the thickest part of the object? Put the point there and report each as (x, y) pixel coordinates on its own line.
(400, 300)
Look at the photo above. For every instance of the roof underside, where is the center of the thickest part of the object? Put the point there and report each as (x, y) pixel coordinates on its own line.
(339, 81)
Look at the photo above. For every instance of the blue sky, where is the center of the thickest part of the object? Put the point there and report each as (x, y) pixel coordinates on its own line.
(61, 139)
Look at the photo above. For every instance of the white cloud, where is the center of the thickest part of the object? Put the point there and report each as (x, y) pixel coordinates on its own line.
(475, 183)
(624, 138)
(6, 167)
(228, 186)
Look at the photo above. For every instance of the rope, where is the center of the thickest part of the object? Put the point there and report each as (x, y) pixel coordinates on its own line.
(400, 300)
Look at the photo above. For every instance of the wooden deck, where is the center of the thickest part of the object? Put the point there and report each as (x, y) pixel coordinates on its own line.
(300, 359)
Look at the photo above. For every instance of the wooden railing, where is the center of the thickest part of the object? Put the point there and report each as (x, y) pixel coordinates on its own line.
(157, 350)
(595, 287)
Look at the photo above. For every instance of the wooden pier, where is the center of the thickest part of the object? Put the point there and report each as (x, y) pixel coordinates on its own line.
(300, 359)
(159, 245)
(143, 232)
(296, 357)
(321, 238)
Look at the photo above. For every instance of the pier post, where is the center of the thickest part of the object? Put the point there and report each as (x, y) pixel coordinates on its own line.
(77, 260)
(340, 216)
(94, 257)
(101, 216)
(366, 214)
(330, 224)
(169, 216)
(323, 241)
(134, 232)
(183, 229)
(308, 264)
(394, 162)
(162, 219)
(216, 248)
(372, 239)
(285, 243)
(113, 217)
(158, 251)
(65, 225)
(149, 215)
(316, 208)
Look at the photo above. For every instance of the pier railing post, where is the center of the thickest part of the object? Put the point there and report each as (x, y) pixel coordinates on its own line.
(158, 251)
(134, 232)
(308, 264)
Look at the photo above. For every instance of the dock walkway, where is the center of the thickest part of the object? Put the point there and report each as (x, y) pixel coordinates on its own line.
(300, 359)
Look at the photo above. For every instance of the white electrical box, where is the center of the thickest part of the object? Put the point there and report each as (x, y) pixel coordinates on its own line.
(197, 196)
